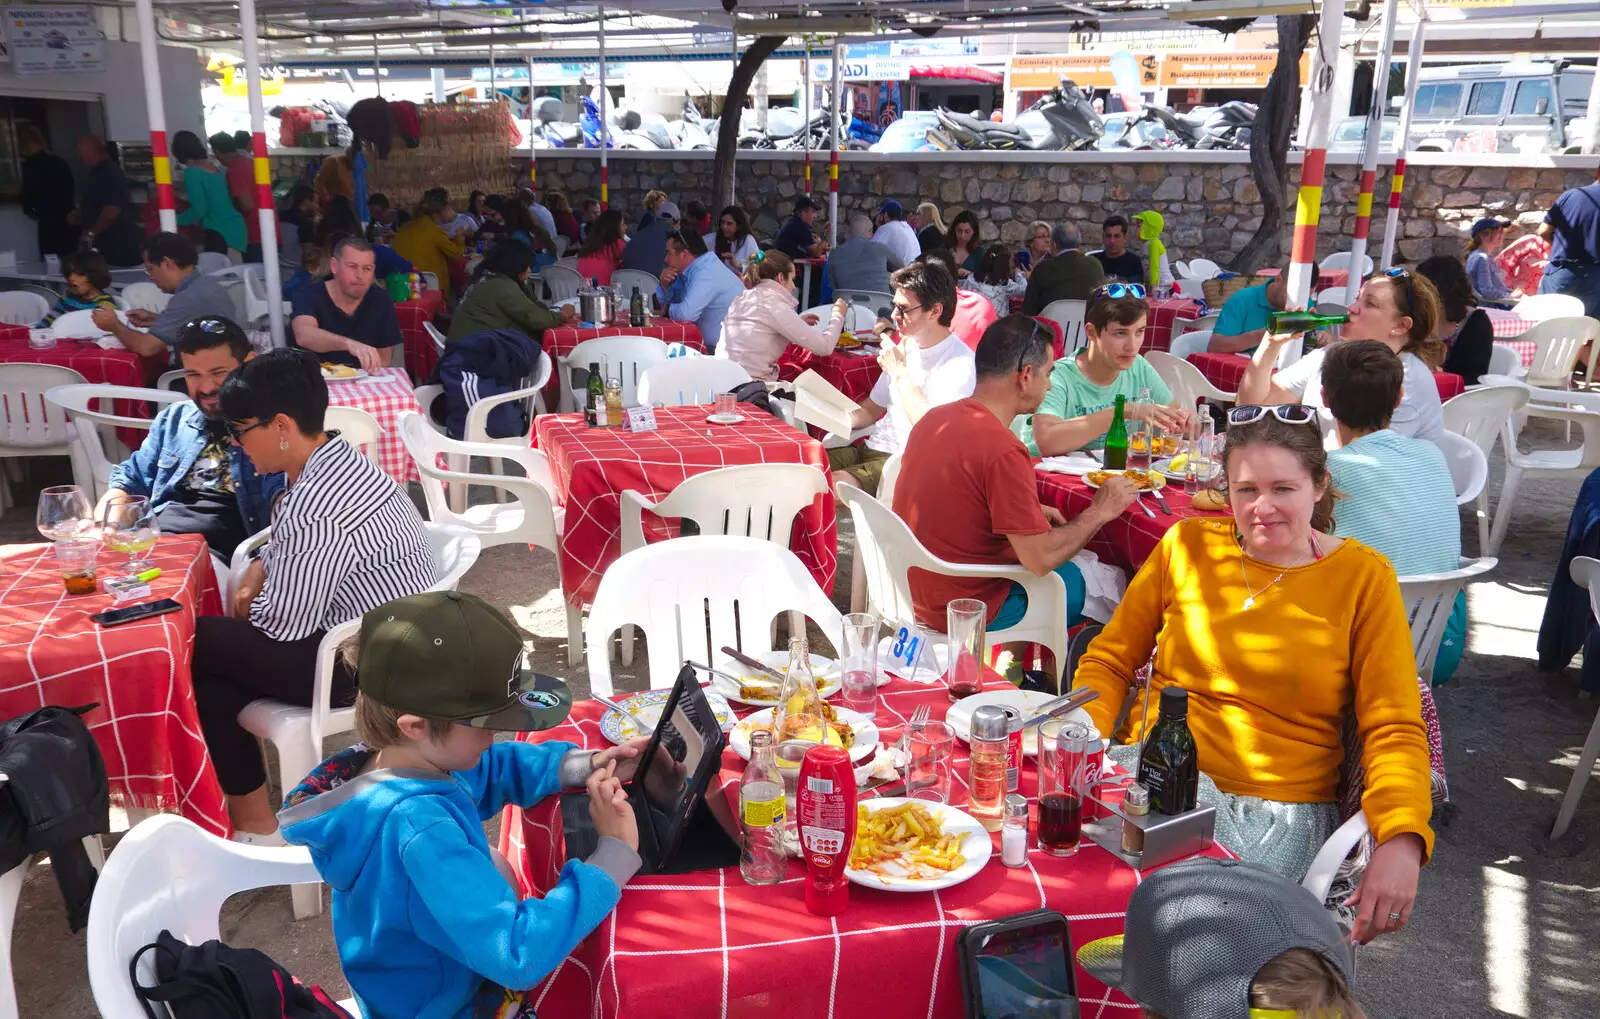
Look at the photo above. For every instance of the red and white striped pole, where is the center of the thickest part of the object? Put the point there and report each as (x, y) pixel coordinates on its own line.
(605, 121)
(161, 162)
(1308, 206)
(1369, 154)
(833, 151)
(263, 172)
(1402, 141)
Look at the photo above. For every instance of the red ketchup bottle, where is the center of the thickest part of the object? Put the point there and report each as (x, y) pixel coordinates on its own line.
(825, 803)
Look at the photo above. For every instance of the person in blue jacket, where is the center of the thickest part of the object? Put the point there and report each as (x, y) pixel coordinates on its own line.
(426, 924)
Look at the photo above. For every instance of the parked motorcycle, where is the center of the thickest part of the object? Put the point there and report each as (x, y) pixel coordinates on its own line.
(549, 130)
(1228, 126)
(1062, 119)
(691, 131)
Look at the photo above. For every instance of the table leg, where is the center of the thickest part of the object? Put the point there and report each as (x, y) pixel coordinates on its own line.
(805, 286)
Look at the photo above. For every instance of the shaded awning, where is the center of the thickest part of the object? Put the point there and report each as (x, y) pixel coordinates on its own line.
(958, 72)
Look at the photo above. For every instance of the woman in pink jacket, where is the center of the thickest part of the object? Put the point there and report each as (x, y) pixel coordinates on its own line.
(762, 321)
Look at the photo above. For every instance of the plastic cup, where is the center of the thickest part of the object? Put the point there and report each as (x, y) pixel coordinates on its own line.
(76, 559)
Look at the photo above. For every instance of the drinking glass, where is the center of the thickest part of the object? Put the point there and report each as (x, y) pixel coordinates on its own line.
(131, 526)
(860, 663)
(64, 513)
(725, 404)
(966, 620)
(928, 774)
(791, 754)
(1140, 435)
(614, 399)
(1064, 761)
(76, 558)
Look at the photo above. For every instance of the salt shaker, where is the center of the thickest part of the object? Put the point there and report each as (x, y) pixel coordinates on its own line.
(1014, 835)
(1135, 803)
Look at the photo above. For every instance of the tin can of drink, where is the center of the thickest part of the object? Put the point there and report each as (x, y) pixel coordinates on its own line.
(1094, 767)
(1013, 748)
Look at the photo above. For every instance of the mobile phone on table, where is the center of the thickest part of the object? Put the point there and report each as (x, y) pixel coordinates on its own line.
(134, 613)
(1018, 966)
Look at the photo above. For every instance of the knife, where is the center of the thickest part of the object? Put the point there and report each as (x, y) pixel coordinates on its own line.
(746, 660)
(1063, 705)
(1161, 501)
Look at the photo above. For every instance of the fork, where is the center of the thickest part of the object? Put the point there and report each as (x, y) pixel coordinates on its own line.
(919, 718)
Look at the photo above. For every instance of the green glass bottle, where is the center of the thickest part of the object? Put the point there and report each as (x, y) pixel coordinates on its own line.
(594, 397)
(1117, 439)
(1280, 323)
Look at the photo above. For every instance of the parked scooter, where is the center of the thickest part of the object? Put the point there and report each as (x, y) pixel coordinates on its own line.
(690, 132)
(549, 130)
(1062, 119)
(1228, 126)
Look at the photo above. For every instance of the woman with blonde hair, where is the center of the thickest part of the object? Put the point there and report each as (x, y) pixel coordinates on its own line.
(930, 227)
(1488, 237)
(652, 202)
(1038, 247)
(762, 321)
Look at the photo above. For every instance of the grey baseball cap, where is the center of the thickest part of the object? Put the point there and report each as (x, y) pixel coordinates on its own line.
(1198, 932)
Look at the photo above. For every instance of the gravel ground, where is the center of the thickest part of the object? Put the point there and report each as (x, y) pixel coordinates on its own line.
(1503, 915)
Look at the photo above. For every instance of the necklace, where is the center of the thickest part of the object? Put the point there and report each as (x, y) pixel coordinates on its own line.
(1244, 571)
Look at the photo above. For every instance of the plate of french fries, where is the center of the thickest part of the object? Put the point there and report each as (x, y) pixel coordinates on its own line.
(905, 845)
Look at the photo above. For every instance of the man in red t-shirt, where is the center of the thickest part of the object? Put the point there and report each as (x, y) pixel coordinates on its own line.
(966, 486)
(241, 171)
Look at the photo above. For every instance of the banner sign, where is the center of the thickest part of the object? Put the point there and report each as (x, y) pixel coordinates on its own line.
(1223, 69)
(1091, 69)
(54, 40)
(1177, 69)
(870, 69)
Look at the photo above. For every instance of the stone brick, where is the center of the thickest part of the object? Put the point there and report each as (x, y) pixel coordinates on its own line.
(1500, 201)
(988, 171)
(1013, 232)
(1000, 213)
(1414, 226)
(1552, 179)
(974, 192)
(1154, 173)
(1094, 193)
(1460, 199)
(1425, 196)
(1487, 177)
(1446, 176)
(997, 191)
(1010, 171)
(988, 232)
(1119, 193)
(1052, 211)
(1245, 192)
(1521, 178)
(1213, 191)
(951, 191)
(1060, 174)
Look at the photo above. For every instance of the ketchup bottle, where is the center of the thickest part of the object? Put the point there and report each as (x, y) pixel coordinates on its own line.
(825, 804)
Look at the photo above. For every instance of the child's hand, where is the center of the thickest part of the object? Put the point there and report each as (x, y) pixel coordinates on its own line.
(609, 808)
(626, 757)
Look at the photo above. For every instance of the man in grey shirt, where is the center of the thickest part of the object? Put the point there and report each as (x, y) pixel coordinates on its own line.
(862, 263)
(172, 263)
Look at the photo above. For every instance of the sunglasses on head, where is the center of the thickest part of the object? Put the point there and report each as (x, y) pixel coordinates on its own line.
(1404, 275)
(1288, 413)
(1115, 291)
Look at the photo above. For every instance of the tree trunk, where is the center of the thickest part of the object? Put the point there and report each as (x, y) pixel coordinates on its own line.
(1269, 143)
(728, 127)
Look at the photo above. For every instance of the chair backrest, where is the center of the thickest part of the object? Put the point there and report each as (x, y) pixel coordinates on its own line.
(211, 261)
(435, 335)
(1203, 269)
(50, 296)
(1469, 466)
(1180, 269)
(561, 281)
(1069, 316)
(79, 324)
(1586, 574)
(454, 551)
(858, 318)
(562, 242)
(168, 378)
(887, 480)
(1538, 307)
(1559, 341)
(146, 297)
(680, 591)
(94, 427)
(430, 281)
(356, 427)
(887, 550)
(233, 283)
(1187, 287)
(1429, 599)
(168, 874)
(751, 500)
(1187, 383)
(1341, 260)
(569, 262)
(687, 381)
(627, 356)
(1505, 361)
(27, 419)
(1484, 414)
(1195, 341)
(876, 302)
(628, 280)
(21, 308)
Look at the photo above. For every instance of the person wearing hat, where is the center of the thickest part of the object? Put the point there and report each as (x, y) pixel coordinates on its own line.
(1221, 939)
(647, 248)
(1488, 237)
(425, 921)
(894, 233)
(796, 238)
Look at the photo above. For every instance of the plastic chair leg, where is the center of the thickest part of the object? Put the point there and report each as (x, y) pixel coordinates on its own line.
(296, 758)
(1483, 519)
(1502, 511)
(858, 583)
(458, 492)
(10, 892)
(1580, 778)
(574, 634)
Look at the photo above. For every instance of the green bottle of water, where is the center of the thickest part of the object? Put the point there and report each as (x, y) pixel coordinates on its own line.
(1280, 323)
(1117, 439)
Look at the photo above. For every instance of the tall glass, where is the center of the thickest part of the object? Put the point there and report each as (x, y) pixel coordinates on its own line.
(131, 526)
(1140, 437)
(928, 774)
(860, 663)
(64, 513)
(1063, 769)
(966, 622)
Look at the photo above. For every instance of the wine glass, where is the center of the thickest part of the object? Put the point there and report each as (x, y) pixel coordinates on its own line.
(131, 526)
(64, 513)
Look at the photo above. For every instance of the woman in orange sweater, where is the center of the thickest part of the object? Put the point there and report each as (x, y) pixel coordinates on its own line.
(1278, 630)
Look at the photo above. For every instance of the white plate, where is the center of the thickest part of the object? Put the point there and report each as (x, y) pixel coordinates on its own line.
(865, 731)
(1163, 467)
(1156, 481)
(959, 717)
(644, 712)
(724, 419)
(361, 373)
(829, 678)
(976, 846)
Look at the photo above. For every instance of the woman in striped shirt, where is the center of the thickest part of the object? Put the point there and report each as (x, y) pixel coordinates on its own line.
(345, 539)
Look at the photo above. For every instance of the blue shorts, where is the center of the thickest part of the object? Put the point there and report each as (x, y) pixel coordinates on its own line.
(1453, 643)
(1016, 603)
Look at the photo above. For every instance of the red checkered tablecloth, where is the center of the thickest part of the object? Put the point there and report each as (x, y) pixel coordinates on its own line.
(384, 398)
(852, 374)
(146, 726)
(1225, 370)
(421, 354)
(1522, 262)
(116, 367)
(1508, 325)
(1163, 314)
(1325, 277)
(593, 466)
(1127, 541)
(707, 944)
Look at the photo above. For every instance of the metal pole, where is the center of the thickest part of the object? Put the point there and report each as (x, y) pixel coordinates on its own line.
(1313, 169)
(833, 152)
(494, 87)
(161, 162)
(438, 84)
(1369, 154)
(605, 127)
(533, 128)
(1402, 140)
(258, 150)
(377, 70)
(733, 163)
(805, 74)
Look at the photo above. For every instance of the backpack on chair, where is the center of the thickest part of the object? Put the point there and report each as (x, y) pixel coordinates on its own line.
(214, 981)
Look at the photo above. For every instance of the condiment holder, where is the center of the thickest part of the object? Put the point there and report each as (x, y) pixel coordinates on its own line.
(1166, 837)
(41, 339)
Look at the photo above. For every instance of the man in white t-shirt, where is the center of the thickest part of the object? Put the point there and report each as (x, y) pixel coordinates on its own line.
(895, 233)
(929, 366)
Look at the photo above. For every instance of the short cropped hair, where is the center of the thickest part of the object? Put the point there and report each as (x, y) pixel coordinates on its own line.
(287, 382)
(1118, 220)
(1362, 380)
(180, 249)
(1066, 237)
(690, 241)
(1011, 343)
(931, 283)
(213, 331)
(350, 242)
(1124, 311)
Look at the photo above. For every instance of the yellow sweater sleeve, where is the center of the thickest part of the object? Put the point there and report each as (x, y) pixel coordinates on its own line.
(1124, 646)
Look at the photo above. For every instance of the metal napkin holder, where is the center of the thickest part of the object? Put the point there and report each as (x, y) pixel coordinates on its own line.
(1166, 838)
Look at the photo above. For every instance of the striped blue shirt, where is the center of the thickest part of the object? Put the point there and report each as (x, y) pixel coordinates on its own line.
(1399, 500)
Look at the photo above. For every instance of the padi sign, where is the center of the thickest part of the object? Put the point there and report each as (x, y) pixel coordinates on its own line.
(865, 69)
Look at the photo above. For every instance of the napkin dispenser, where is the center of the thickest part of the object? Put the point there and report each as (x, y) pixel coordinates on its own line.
(1166, 837)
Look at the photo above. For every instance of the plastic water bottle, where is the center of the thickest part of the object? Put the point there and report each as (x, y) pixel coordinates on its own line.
(761, 815)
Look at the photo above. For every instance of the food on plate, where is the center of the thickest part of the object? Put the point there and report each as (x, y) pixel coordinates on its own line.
(338, 371)
(848, 341)
(809, 727)
(1204, 466)
(1209, 499)
(908, 836)
(1142, 480)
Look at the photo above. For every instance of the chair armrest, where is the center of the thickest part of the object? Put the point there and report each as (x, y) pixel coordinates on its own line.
(538, 507)
(478, 414)
(1319, 878)
(533, 461)
(632, 530)
(322, 682)
(241, 561)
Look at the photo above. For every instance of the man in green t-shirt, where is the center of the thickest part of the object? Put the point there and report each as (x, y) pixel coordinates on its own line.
(1084, 385)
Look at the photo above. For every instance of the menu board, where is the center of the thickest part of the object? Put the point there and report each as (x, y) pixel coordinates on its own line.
(54, 40)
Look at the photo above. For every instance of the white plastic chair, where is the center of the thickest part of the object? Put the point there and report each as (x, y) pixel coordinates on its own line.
(1341, 260)
(888, 550)
(1505, 361)
(1469, 468)
(168, 378)
(1180, 269)
(49, 295)
(146, 297)
(858, 319)
(233, 283)
(1069, 316)
(875, 302)
(1586, 574)
(94, 441)
(20, 308)
(435, 335)
(211, 261)
(430, 281)
(29, 425)
(562, 242)
(1580, 408)
(626, 281)
(1325, 866)
(357, 427)
(1539, 307)
(561, 282)
(1190, 288)
(627, 356)
(1187, 382)
(1203, 269)
(678, 590)
(1559, 340)
(1429, 599)
(568, 262)
(257, 310)
(1484, 415)
(168, 874)
(297, 732)
(1195, 341)
(689, 381)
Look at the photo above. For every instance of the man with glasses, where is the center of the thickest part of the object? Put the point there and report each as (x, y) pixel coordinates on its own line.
(1067, 275)
(1242, 324)
(173, 264)
(197, 481)
(697, 286)
(1084, 385)
(930, 366)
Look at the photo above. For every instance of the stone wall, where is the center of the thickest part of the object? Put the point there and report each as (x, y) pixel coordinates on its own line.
(1209, 201)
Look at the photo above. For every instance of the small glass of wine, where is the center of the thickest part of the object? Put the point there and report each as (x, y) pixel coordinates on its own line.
(64, 513)
(131, 526)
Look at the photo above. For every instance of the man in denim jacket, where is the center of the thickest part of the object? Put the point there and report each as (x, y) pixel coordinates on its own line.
(197, 480)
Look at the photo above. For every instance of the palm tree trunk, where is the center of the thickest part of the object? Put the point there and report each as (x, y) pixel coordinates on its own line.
(1269, 143)
(728, 127)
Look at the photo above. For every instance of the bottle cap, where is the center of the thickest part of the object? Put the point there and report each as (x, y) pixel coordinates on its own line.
(990, 722)
(1174, 701)
(1016, 806)
(1137, 799)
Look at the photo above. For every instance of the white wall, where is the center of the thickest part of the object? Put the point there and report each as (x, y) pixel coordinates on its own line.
(121, 88)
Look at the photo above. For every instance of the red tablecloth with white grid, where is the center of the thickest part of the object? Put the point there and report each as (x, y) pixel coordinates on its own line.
(146, 725)
(1127, 541)
(1226, 370)
(1508, 325)
(421, 354)
(591, 467)
(383, 396)
(119, 367)
(850, 372)
(707, 944)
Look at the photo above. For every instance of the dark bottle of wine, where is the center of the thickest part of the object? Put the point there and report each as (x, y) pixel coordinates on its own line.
(1169, 764)
(594, 397)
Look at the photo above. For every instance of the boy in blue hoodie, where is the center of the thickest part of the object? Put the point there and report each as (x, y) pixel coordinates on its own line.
(427, 925)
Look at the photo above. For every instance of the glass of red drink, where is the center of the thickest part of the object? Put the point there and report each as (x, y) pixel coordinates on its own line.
(966, 620)
(1063, 763)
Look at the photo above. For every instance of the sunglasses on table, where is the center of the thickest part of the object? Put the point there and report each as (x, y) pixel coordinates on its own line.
(1288, 413)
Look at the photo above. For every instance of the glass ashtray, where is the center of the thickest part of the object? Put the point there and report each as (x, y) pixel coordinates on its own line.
(41, 339)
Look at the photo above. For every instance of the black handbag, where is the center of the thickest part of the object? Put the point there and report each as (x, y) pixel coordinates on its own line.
(214, 981)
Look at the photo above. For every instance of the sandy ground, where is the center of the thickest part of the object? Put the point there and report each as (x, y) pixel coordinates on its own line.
(1504, 920)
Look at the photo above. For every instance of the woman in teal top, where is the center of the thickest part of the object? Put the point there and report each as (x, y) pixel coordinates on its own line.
(210, 205)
